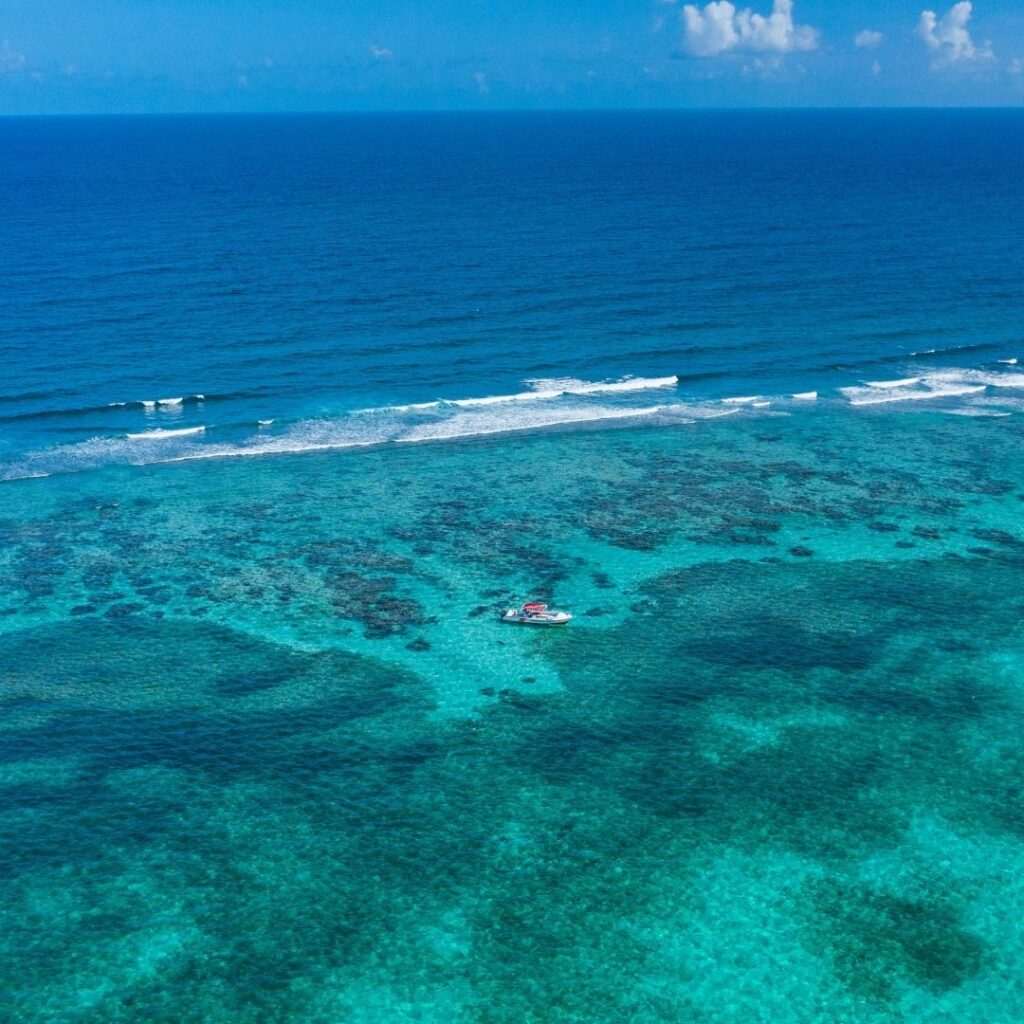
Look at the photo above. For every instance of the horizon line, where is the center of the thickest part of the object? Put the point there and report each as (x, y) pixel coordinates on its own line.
(468, 111)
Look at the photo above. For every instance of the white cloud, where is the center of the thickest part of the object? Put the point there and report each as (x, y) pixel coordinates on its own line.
(243, 81)
(868, 39)
(876, 68)
(712, 31)
(949, 35)
(481, 83)
(381, 53)
(10, 60)
(1016, 66)
(719, 27)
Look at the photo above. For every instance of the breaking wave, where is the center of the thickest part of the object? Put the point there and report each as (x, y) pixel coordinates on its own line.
(156, 435)
(545, 390)
(953, 382)
(548, 404)
(146, 404)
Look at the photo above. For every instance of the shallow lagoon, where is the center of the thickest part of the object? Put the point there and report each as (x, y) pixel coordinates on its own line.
(268, 756)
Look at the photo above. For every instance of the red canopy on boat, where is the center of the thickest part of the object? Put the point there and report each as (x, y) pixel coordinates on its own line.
(534, 606)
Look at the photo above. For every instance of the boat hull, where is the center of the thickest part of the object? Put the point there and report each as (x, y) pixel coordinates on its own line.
(552, 619)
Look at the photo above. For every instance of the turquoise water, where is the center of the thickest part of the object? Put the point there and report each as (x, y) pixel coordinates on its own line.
(267, 754)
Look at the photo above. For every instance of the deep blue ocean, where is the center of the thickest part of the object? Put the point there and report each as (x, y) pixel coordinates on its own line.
(298, 268)
(741, 391)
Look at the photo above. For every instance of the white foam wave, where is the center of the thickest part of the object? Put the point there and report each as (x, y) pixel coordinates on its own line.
(880, 396)
(987, 378)
(264, 423)
(478, 424)
(85, 455)
(745, 400)
(251, 451)
(306, 436)
(906, 382)
(541, 390)
(976, 411)
(571, 386)
(998, 402)
(159, 435)
(706, 412)
(175, 402)
(951, 382)
(328, 435)
(1008, 362)
(806, 396)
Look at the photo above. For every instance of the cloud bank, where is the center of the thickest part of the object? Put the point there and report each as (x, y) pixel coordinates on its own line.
(720, 28)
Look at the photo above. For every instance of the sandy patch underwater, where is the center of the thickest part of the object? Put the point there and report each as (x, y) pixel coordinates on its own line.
(267, 755)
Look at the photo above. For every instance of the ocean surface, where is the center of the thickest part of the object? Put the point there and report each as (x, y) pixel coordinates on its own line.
(291, 407)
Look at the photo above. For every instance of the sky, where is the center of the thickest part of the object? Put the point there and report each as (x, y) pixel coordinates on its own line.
(156, 56)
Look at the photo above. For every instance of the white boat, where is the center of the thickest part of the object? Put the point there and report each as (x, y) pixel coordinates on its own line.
(533, 613)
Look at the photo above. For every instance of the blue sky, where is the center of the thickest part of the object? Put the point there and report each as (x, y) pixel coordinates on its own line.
(104, 56)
